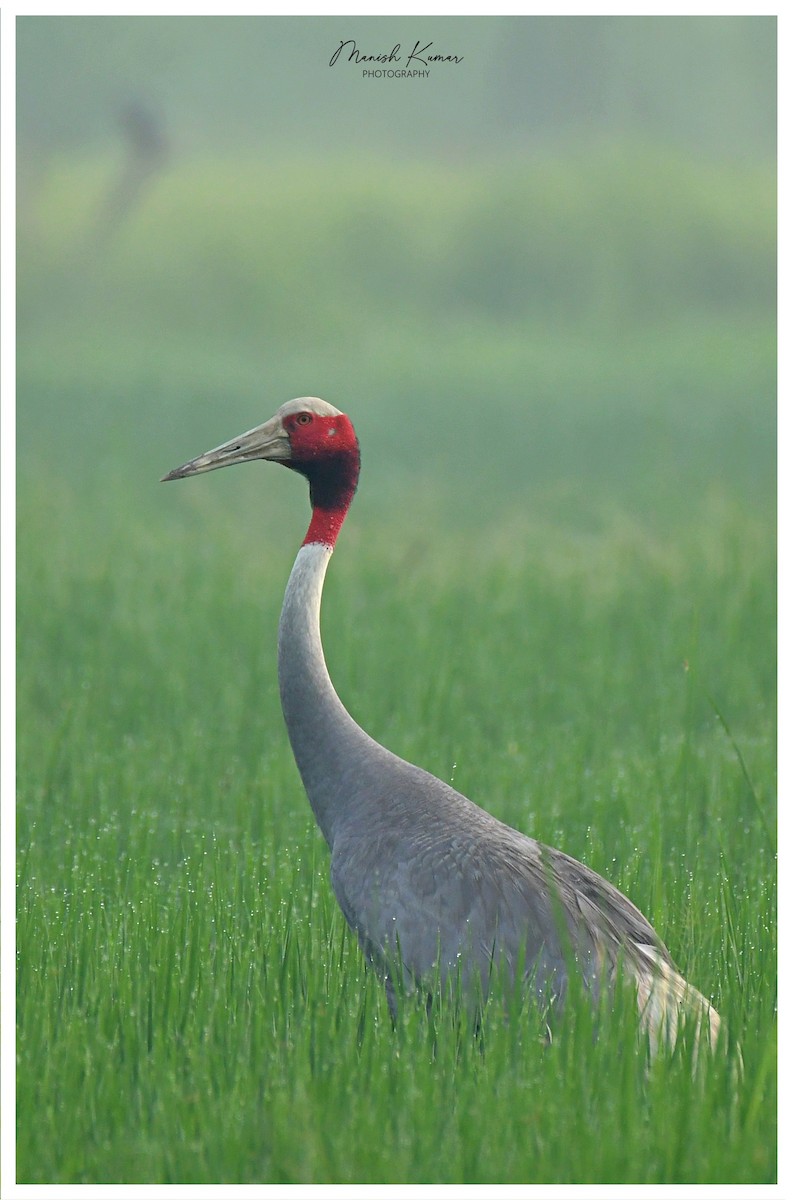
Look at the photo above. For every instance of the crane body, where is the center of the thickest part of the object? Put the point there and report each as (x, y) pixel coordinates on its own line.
(435, 887)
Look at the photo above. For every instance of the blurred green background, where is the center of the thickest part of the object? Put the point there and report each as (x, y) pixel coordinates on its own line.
(553, 261)
(542, 283)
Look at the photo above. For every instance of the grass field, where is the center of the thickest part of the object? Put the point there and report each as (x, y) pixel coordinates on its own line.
(555, 589)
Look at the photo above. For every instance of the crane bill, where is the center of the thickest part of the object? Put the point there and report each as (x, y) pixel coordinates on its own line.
(269, 441)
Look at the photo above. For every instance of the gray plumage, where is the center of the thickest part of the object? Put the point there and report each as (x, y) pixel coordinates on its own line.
(431, 881)
(434, 886)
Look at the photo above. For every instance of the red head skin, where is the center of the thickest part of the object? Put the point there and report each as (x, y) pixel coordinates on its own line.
(325, 450)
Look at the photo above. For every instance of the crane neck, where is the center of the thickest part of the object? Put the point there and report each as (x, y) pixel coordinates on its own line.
(332, 481)
(326, 741)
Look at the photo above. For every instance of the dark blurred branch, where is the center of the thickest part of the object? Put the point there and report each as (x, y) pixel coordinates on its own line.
(147, 152)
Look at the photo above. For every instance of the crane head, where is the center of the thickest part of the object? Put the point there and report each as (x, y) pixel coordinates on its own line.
(310, 436)
(303, 432)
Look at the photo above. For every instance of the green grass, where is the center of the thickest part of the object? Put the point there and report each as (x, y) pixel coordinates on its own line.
(556, 588)
(190, 1006)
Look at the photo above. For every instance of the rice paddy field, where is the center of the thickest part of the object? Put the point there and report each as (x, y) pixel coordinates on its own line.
(556, 589)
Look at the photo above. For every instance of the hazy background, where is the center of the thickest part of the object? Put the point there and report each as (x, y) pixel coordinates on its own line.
(553, 259)
(704, 85)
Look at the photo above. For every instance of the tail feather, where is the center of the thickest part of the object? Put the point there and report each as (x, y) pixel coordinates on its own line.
(667, 1002)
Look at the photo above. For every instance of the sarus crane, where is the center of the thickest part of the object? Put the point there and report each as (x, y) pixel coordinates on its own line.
(438, 891)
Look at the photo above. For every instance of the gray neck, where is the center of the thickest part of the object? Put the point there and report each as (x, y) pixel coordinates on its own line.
(326, 742)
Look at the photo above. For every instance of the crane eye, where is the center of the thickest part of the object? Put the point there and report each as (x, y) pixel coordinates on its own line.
(304, 418)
